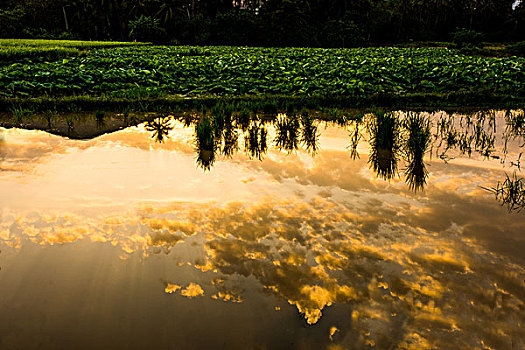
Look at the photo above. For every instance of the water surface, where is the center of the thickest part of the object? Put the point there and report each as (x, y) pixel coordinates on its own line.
(225, 233)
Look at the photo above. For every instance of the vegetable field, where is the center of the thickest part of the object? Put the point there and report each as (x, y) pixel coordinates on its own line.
(161, 71)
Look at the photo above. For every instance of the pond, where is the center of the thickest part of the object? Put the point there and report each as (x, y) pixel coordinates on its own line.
(392, 230)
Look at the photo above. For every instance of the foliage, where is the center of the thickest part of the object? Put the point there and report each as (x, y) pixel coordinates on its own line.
(146, 28)
(10, 22)
(464, 37)
(262, 23)
(64, 43)
(12, 50)
(159, 71)
(344, 33)
(517, 49)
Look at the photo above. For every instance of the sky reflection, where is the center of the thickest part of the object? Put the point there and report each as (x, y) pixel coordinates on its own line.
(310, 249)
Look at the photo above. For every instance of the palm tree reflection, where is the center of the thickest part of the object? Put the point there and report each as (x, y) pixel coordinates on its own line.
(160, 127)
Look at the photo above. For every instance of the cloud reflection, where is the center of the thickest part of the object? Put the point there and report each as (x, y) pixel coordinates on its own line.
(405, 283)
(432, 271)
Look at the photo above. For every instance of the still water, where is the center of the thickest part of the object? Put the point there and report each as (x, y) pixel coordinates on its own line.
(394, 231)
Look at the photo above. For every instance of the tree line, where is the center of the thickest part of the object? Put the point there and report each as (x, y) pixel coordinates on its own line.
(323, 23)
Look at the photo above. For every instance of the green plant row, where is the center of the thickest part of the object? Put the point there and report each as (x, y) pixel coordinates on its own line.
(64, 43)
(158, 71)
(49, 53)
(50, 50)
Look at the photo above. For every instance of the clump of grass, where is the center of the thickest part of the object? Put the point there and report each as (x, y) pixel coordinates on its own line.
(338, 116)
(49, 115)
(99, 115)
(99, 119)
(19, 112)
(510, 192)
(70, 122)
(243, 119)
(74, 108)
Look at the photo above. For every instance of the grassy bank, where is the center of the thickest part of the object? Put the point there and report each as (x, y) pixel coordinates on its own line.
(165, 77)
(30, 51)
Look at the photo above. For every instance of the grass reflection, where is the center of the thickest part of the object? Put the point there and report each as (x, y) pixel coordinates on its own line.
(510, 192)
(256, 143)
(385, 144)
(287, 133)
(394, 138)
(355, 139)
(231, 139)
(205, 143)
(309, 134)
(417, 145)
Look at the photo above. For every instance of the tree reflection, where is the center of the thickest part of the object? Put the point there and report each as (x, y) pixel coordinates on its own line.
(385, 145)
(160, 128)
(417, 145)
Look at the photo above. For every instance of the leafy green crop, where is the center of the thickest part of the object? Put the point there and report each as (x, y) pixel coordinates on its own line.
(139, 71)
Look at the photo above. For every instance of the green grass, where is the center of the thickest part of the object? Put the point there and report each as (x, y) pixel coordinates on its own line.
(159, 74)
(65, 43)
(17, 49)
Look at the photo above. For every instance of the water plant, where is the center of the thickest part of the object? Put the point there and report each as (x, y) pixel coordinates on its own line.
(19, 112)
